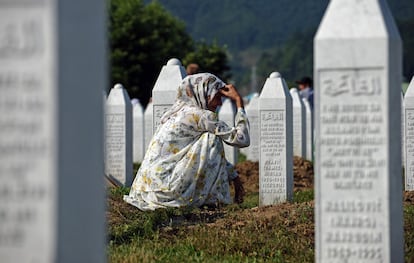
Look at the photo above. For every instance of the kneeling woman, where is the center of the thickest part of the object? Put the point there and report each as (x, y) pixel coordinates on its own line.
(185, 163)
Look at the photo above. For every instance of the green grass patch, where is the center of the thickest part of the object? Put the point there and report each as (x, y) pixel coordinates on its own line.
(234, 233)
(241, 157)
(409, 232)
(303, 196)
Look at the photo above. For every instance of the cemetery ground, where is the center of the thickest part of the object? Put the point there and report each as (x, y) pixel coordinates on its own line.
(234, 233)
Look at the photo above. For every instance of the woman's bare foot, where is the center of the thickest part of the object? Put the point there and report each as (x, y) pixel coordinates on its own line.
(239, 190)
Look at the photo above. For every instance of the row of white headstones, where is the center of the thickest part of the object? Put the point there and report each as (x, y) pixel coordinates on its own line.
(128, 125)
(53, 68)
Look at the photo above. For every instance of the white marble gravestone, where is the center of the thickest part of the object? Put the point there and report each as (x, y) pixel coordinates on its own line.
(409, 136)
(252, 111)
(299, 124)
(148, 122)
(309, 130)
(402, 130)
(276, 142)
(118, 143)
(165, 89)
(358, 196)
(227, 114)
(52, 198)
(138, 131)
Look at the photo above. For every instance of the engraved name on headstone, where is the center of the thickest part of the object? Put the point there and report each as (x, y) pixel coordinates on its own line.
(165, 89)
(52, 189)
(409, 136)
(358, 198)
(118, 143)
(276, 144)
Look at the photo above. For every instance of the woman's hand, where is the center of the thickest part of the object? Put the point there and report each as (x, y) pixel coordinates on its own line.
(231, 92)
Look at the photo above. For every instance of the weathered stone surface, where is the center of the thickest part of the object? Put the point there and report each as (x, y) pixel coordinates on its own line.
(309, 130)
(299, 124)
(148, 122)
(276, 144)
(402, 130)
(118, 143)
(227, 114)
(52, 206)
(165, 89)
(252, 111)
(138, 131)
(358, 157)
(409, 136)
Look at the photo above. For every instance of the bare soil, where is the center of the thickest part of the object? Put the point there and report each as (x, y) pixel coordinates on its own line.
(302, 174)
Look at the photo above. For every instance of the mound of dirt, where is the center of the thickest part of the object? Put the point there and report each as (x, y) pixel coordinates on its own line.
(302, 173)
(409, 197)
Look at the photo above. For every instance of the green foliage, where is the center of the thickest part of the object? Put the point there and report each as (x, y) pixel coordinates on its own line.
(211, 58)
(263, 31)
(406, 28)
(142, 39)
(293, 60)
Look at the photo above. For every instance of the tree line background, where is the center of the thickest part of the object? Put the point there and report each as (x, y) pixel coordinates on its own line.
(225, 37)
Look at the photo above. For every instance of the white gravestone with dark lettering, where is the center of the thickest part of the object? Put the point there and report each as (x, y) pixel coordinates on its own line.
(309, 130)
(52, 206)
(138, 131)
(148, 122)
(165, 89)
(276, 142)
(227, 114)
(402, 130)
(252, 111)
(358, 196)
(409, 136)
(299, 124)
(118, 143)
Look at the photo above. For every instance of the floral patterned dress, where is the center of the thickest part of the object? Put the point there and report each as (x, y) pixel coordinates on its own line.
(185, 163)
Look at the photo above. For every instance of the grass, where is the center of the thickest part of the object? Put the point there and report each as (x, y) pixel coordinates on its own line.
(229, 234)
(235, 233)
(409, 232)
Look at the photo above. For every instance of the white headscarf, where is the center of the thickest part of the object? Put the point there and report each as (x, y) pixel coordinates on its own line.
(195, 90)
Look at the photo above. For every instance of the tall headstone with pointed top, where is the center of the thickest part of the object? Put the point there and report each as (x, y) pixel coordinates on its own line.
(138, 131)
(165, 89)
(309, 130)
(409, 136)
(299, 124)
(148, 123)
(52, 70)
(276, 142)
(118, 143)
(358, 157)
(252, 111)
(227, 114)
